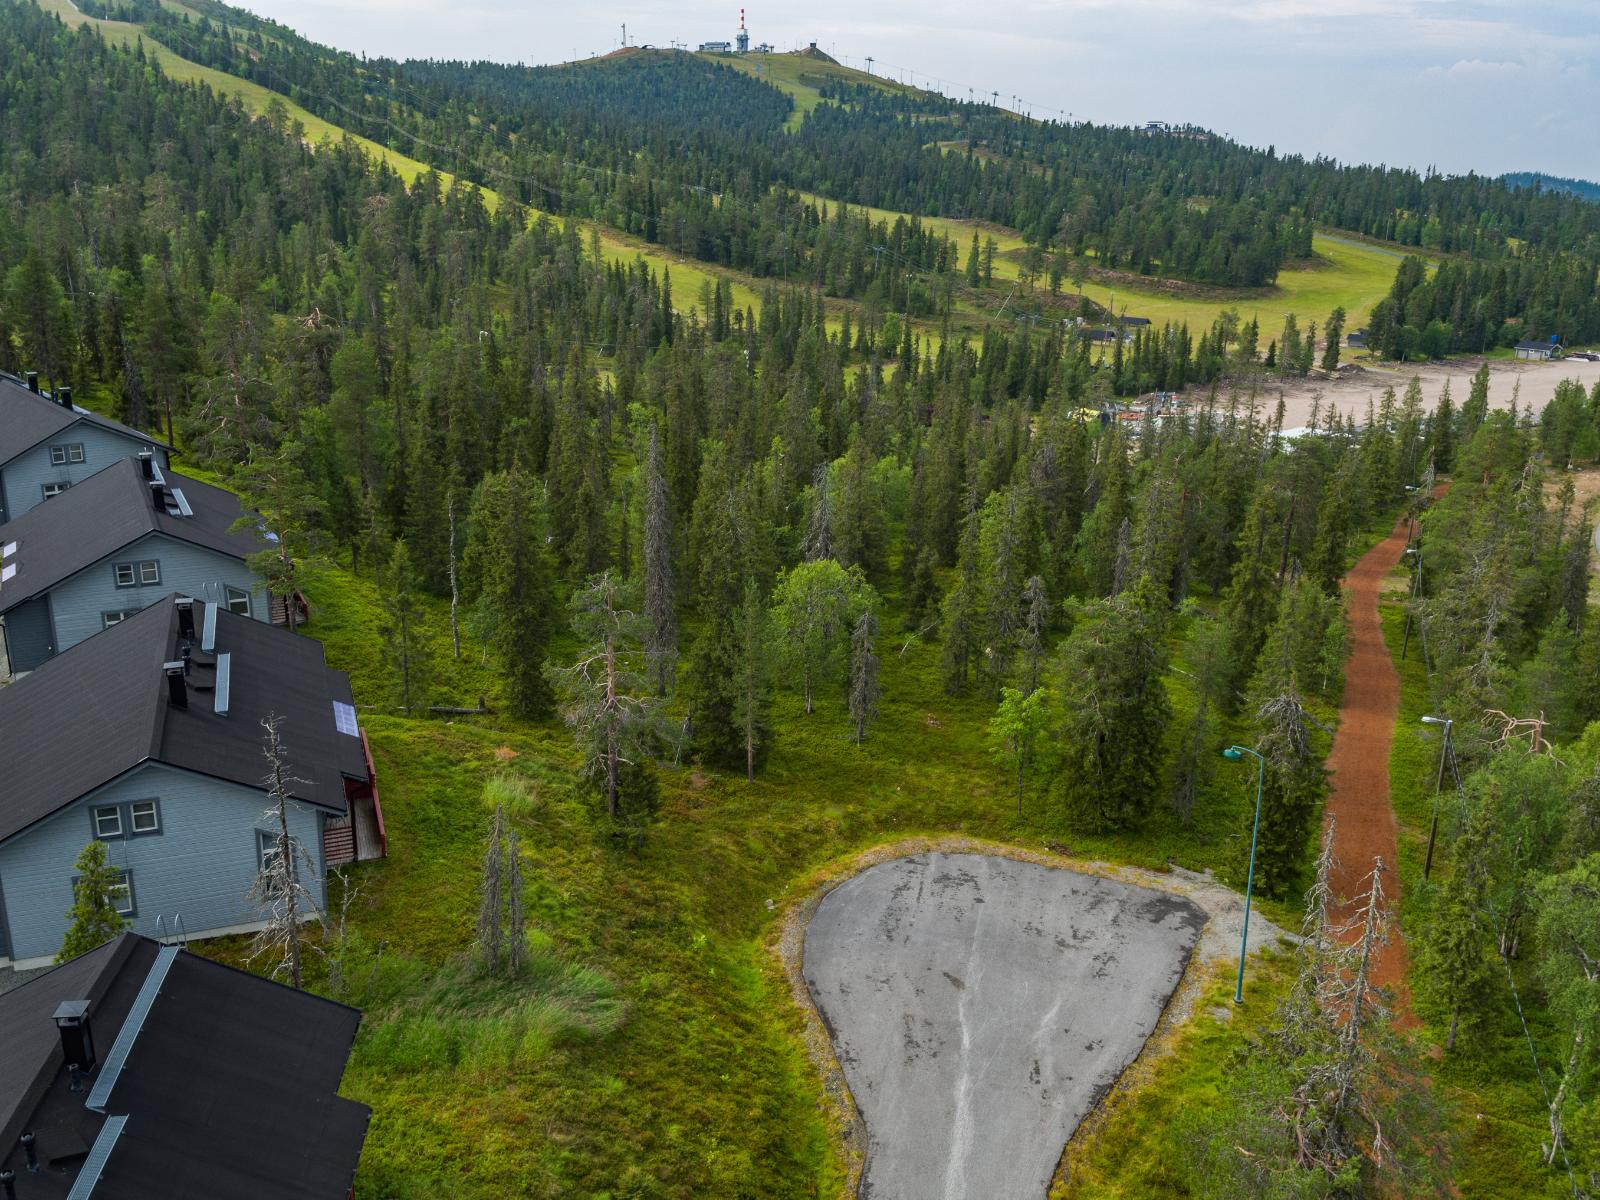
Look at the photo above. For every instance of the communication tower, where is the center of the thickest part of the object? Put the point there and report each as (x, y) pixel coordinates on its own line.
(743, 40)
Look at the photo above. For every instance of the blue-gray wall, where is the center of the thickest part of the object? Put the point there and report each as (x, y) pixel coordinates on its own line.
(28, 635)
(200, 866)
(22, 479)
(78, 605)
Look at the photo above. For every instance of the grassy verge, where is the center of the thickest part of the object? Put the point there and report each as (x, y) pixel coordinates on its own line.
(1128, 1151)
(1496, 1109)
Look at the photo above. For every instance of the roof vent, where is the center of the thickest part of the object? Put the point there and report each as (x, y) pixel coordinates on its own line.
(177, 689)
(147, 464)
(77, 1040)
(64, 397)
(186, 618)
(33, 381)
(158, 497)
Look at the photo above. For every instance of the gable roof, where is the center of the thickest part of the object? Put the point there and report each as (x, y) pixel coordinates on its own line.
(28, 418)
(1552, 347)
(107, 511)
(101, 708)
(229, 1086)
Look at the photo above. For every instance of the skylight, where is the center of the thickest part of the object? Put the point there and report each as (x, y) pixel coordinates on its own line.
(9, 549)
(344, 718)
(7, 571)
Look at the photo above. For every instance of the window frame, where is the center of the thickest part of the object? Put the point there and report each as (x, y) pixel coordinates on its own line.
(137, 570)
(124, 883)
(230, 594)
(53, 489)
(117, 616)
(67, 454)
(154, 805)
(97, 812)
(267, 840)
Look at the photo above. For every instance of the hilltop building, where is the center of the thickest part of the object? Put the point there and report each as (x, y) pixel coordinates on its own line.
(148, 737)
(142, 1072)
(48, 444)
(1539, 351)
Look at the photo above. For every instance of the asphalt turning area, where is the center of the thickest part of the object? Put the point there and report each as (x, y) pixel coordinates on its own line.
(980, 1006)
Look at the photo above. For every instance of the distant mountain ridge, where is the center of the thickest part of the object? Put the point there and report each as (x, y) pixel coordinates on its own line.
(1553, 183)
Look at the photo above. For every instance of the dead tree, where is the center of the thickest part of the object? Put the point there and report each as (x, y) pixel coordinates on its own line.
(278, 891)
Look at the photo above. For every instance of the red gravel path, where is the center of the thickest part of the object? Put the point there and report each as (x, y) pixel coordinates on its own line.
(1364, 822)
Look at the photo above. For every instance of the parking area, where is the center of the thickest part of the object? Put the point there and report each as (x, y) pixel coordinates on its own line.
(979, 1007)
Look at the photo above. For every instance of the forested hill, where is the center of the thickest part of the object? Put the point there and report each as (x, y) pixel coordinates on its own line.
(1553, 183)
(686, 151)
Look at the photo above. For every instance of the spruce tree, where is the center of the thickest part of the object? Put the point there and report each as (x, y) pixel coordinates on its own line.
(94, 915)
(508, 559)
(752, 675)
(406, 647)
(660, 592)
(865, 689)
(1113, 712)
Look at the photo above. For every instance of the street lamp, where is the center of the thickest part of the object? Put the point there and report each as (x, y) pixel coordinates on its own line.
(1236, 754)
(1438, 786)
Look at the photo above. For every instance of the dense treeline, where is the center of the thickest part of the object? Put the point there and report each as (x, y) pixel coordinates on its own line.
(1467, 306)
(687, 152)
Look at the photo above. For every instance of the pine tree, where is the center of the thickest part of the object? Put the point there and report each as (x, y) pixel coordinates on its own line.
(1333, 336)
(94, 915)
(922, 601)
(507, 557)
(1476, 409)
(280, 503)
(605, 701)
(1033, 635)
(865, 689)
(1455, 973)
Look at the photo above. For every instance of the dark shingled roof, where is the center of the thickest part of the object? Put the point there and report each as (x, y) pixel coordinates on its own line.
(230, 1088)
(88, 523)
(113, 685)
(28, 418)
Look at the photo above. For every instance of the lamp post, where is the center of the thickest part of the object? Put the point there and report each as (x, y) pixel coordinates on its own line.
(1236, 754)
(1438, 786)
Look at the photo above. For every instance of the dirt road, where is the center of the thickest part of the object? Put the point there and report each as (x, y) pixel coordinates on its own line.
(1364, 822)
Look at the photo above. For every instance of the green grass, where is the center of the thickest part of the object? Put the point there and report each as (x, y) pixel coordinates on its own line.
(797, 76)
(656, 1052)
(1127, 1152)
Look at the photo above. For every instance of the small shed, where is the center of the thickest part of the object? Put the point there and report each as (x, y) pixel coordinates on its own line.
(1538, 351)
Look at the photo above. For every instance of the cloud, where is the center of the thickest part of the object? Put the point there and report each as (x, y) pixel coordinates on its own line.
(1475, 68)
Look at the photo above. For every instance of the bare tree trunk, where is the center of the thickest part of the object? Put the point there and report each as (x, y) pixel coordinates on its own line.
(455, 595)
(612, 716)
(489, 928)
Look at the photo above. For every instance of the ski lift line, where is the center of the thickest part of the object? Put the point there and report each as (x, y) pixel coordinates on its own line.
(550, 189)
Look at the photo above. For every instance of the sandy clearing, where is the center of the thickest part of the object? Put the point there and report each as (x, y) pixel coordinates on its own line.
(1531, 384)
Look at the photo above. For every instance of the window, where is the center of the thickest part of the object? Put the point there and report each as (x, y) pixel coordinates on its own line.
(144, 817)
(120, 894)
(137, 574)
(267, 851)
(60, 456)
(108, 619)
(238, 600)
(344, 718)
(52, 490)
(108, 822)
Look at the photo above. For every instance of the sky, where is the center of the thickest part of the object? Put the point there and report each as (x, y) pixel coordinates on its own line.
(1457, 85)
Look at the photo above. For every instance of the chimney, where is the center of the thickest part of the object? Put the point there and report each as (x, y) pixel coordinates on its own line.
(64, 397)
(158, 496)
(32, 1151)
(147, 465)
(177, 689)
(32, 378)
(77, 1041)
(8, 1180)
(186, 619)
